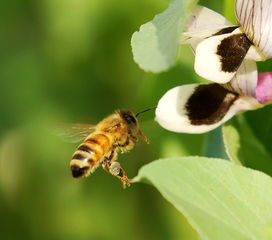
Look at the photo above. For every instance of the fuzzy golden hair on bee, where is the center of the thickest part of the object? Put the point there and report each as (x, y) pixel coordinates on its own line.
(116, 133)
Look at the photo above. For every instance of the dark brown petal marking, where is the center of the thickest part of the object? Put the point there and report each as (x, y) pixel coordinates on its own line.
(226, 30)
(232, 51)
(79, 156)
(209, 104)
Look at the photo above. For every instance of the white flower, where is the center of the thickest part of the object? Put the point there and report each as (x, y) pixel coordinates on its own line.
(221, 47)
(226, 55)
(199, 108)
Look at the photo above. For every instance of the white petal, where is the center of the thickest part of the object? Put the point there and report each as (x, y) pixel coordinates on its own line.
(203, 23)
(219, 57)
(255, 16)
(171, 111)
(254, 54)
(194, 38)
(245, 80)
(204, 18)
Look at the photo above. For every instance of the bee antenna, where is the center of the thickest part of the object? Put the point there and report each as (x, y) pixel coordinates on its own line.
(146, 110)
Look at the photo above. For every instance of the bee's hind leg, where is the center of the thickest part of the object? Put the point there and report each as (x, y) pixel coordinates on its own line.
(114, 168)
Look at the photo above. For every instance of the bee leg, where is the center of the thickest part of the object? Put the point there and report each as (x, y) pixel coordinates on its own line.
(140, 133)
(115, 169)
(121, 145)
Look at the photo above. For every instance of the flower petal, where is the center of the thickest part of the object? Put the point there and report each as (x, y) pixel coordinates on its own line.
(203, 23)
(264, 87)
(254, 54)
(194, 38)
(245, 80)
(219, 57)
(256, 19)
(199, 108)
(205, 18)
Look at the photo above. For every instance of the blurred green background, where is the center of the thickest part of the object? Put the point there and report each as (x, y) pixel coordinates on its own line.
(70, 61)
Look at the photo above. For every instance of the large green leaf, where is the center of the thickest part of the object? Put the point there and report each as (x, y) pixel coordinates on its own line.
(221, 200)
(156, 45)
(243, 147)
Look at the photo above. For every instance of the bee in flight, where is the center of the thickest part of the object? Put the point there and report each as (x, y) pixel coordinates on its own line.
(116, 133)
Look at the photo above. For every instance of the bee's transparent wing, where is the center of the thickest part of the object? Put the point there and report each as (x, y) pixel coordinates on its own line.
(72, 132)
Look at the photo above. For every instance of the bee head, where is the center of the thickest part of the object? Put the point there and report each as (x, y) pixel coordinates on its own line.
(131, 120)
(129, 117)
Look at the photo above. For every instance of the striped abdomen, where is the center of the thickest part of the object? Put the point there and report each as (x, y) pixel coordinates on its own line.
(89, 154)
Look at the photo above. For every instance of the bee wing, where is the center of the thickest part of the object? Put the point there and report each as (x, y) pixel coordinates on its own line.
(73, 132)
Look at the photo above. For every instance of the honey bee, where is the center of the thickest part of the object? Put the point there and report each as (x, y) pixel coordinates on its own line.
(116, 133)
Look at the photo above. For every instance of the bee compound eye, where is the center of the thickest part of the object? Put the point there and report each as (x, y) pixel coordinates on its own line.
(129, 118)
(77, 171)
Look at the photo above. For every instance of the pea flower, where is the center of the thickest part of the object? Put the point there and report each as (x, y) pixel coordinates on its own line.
(226, 55)
(199, 108)
(220, 47)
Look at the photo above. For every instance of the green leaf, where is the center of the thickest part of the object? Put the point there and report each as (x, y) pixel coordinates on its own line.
(214, 145)
(243, 147)
(221, 200)
(155, 46)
